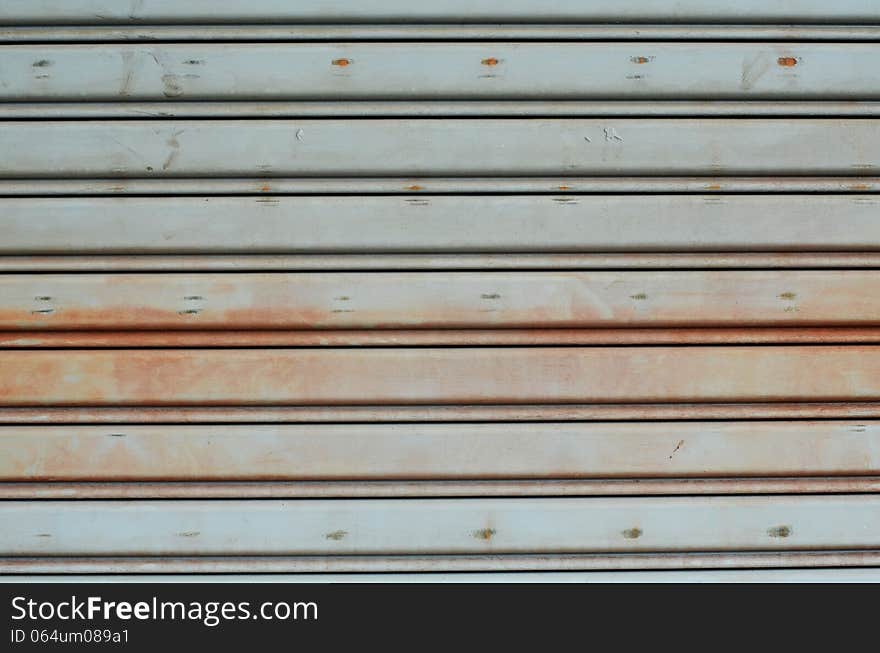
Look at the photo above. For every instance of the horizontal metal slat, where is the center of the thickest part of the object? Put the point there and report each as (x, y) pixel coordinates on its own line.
(454, 11)
(133, 32)
(440, 71)
(439, 376)
(437, 223)
(439, 526)
(439, 148)
(438, 451)
(436, 300)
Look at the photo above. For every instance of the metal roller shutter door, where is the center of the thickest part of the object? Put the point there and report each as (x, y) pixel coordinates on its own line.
(584, 293)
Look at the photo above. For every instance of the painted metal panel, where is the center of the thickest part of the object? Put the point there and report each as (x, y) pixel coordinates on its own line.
(431, 147)
(426, 451)
(454, 11)
(467, 71)
(562, 223)
(439, 526)
(439, 376)
(433, 299)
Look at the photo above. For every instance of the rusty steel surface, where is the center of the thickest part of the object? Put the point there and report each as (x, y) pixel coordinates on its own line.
(168, 377)
(438, 451)
(576, 290)
(437, 300)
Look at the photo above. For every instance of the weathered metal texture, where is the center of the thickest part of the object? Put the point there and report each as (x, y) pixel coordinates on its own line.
(275, 564)
(437, 337)
(439, 451)
(48, 12)
(434, 299)
(561, 223)
(467, 71)
(713, 184)
(440, 526)
(433, 147)
(167, 377)
(153, 33)
(437, 413)
(432, 488)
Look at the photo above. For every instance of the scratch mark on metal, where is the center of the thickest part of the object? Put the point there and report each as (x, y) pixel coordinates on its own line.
(677, 447)
(336, 535)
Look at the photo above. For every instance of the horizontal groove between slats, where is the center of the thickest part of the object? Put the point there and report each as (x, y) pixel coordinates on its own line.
(458, 413)
(413, 563)
(448, 185)
(416, 262)
(34, 490)
(439, 148)
(434, 337)
(441, 451)
(440, 71)
(251, 32)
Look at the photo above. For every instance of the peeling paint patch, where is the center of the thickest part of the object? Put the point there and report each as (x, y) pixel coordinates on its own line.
(336, 535)
(779, 531)
(632, 533)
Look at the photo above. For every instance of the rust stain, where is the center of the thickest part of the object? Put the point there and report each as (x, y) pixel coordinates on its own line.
(788, 295)
(859, 187)
(779, 531)
(491, 61)
(342, 63)
(787, 62)
(485, 534)
(562, 187)
(415, 187)
(641, 60)
(265, 188)
(713, 186)
(632, 533)
(336, 535)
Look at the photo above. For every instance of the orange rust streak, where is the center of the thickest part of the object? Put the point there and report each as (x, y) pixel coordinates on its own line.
(787, 62)
(491, 61)
(342, 63)
(167, 377)
(639, 60)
